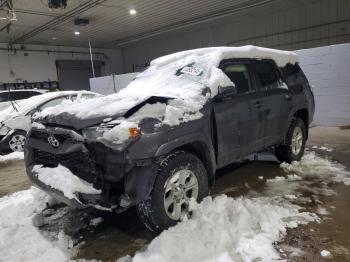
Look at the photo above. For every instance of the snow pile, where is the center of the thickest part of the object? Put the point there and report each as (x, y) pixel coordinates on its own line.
(19, 239)
(96, 221)
(12, 156)
(323, 148)
(292, 177)
(311, 164)
(62, 179)
(325, 253)
(227, 229)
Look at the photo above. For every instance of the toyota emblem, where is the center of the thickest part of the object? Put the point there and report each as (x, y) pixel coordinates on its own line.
(53, 141)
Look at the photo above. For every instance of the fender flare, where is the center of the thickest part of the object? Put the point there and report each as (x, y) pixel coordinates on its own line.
(139, 182)
(292, 114)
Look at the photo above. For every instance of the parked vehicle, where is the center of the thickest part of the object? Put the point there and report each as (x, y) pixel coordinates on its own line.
(15, 120)
(9, 97)
(158, 143)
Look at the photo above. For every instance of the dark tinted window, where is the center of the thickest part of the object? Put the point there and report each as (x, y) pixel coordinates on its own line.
(17, 95)
(267, 76)
(293, 75)
(4, 97)
(239, 75)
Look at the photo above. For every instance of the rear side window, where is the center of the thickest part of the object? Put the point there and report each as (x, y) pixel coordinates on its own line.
(294, 75)
(266, 74)
(239, 75)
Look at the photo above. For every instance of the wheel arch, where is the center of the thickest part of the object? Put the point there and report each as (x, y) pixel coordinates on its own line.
(200, 150)
(197, 144)
(139, 181)
(303, 114)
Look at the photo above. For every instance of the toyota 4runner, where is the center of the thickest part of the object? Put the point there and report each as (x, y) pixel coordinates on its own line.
(157, 143)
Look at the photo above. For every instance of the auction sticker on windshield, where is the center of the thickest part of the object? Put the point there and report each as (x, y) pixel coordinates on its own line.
(194, 71)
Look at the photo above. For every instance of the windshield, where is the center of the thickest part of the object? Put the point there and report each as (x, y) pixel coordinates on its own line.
(179, 79)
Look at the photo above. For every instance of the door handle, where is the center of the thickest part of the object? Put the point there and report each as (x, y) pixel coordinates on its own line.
(258, 104)
(287, 97)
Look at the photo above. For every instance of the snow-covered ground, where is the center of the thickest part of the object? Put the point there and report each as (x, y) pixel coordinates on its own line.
(12, 156)
(221, 228)
(227, 229)
(20, 240)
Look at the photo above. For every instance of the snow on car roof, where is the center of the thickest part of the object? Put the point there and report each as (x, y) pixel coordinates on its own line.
(214, 55)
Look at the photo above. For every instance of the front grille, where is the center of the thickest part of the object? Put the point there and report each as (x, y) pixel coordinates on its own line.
(43, 136)
(78, 162)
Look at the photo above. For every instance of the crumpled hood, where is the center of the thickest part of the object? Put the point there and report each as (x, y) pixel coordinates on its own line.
(95, 111)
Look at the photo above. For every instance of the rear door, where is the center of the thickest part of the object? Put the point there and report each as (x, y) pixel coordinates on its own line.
(276, 101)
(237, 125)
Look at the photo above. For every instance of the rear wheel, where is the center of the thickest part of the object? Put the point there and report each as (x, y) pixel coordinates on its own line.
(181, 177)
(17, 140)
(294, 146)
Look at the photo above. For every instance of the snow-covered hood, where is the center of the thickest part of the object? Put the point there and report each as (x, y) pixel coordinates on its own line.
(95, 111)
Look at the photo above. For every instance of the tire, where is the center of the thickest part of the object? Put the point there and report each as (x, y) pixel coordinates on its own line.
(17, 140)
(294, 144)
(169, 197)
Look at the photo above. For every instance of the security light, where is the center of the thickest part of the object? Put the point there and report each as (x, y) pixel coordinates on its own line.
(132, 11)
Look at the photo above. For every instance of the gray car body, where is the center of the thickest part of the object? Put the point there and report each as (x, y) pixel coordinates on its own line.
(231, 128)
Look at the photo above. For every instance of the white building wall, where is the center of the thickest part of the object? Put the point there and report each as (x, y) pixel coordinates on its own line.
(37, 66)
(328, 70)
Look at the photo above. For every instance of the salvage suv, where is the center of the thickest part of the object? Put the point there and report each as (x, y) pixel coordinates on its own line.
(157, 143)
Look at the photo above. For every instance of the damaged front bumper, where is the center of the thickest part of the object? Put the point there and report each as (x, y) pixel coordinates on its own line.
(70, 150)
(81, 201)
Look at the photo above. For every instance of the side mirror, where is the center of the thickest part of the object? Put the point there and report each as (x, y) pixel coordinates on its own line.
(226, 92)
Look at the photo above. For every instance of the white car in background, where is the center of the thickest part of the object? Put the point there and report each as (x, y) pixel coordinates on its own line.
(15, 120)
(8, 97)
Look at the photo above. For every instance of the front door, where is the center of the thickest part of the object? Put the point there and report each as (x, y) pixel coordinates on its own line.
(237, 124)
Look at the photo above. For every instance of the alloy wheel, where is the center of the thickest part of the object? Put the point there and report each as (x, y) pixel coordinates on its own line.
(16, 143)
(180, 188)
(297, 140)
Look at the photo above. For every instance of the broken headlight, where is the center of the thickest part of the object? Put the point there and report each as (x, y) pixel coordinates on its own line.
(117, 133)
(95, 132)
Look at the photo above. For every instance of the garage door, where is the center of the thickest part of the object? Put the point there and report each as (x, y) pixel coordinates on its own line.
(75, 74)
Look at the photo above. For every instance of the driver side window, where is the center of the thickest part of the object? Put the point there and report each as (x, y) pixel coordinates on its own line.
(239, 75)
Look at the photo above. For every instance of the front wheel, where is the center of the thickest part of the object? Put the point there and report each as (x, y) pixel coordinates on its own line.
(17, 140)
(181, 177)
(294, 146)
